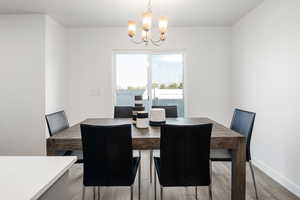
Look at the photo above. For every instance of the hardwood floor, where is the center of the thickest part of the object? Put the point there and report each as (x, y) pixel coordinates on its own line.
(267, 188)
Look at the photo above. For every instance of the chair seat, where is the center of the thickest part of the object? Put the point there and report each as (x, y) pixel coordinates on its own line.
(220, 155)
(136, 162)
(157, 163)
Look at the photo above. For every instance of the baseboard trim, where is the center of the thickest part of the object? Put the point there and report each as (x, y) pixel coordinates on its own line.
(284, 181)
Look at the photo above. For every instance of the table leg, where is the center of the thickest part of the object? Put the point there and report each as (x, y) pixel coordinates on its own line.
(238, 175)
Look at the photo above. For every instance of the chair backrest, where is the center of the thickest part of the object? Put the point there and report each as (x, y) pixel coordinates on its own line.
(57, 122)
(185, 155)
(123, 112)
(107, 154)
(171, 111)
(243, 122)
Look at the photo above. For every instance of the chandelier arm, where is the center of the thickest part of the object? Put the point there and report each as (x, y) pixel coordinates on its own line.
(136, 42)
(156, 43)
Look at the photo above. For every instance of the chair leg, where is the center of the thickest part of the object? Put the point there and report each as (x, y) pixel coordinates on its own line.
(131, 192)
(83, 192)
(253, 178)
(210, 171)
(151, 164)
(161, 193)
(139, 181)
(94, 193)
(196, 193)
(154, 184)
(210, 192)
(99, 195)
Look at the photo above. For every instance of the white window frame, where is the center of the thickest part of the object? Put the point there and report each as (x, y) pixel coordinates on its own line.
(149, 53)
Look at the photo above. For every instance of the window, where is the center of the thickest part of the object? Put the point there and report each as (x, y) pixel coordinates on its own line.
(160, 73)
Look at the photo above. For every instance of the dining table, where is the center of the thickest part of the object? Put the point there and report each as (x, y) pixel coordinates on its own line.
(149, 139)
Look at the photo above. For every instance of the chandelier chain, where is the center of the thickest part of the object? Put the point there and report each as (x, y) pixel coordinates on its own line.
(150, 5)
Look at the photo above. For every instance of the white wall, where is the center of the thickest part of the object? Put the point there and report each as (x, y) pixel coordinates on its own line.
(207, 77)
(266, 60)
(56, 66)
(22, 85)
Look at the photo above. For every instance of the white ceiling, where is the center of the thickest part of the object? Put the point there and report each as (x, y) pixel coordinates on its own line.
(118, 12)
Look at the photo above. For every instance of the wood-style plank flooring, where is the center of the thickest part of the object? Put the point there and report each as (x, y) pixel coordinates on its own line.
(267, 188)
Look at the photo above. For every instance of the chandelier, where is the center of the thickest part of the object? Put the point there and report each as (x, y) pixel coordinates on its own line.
(146, 28)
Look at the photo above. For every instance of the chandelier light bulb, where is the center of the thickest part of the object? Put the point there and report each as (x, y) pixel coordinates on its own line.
(163, 24)
(131, 28)
(147, 21)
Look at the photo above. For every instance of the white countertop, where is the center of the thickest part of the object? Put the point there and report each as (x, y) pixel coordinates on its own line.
(28, 177)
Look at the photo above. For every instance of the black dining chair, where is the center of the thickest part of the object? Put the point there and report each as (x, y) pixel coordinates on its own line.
(171, 111)
(123, 111)
(108, 159)
(57, 122)
(242, 122)
(184, 157)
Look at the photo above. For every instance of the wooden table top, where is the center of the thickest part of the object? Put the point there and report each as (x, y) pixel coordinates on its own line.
(219, 131)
